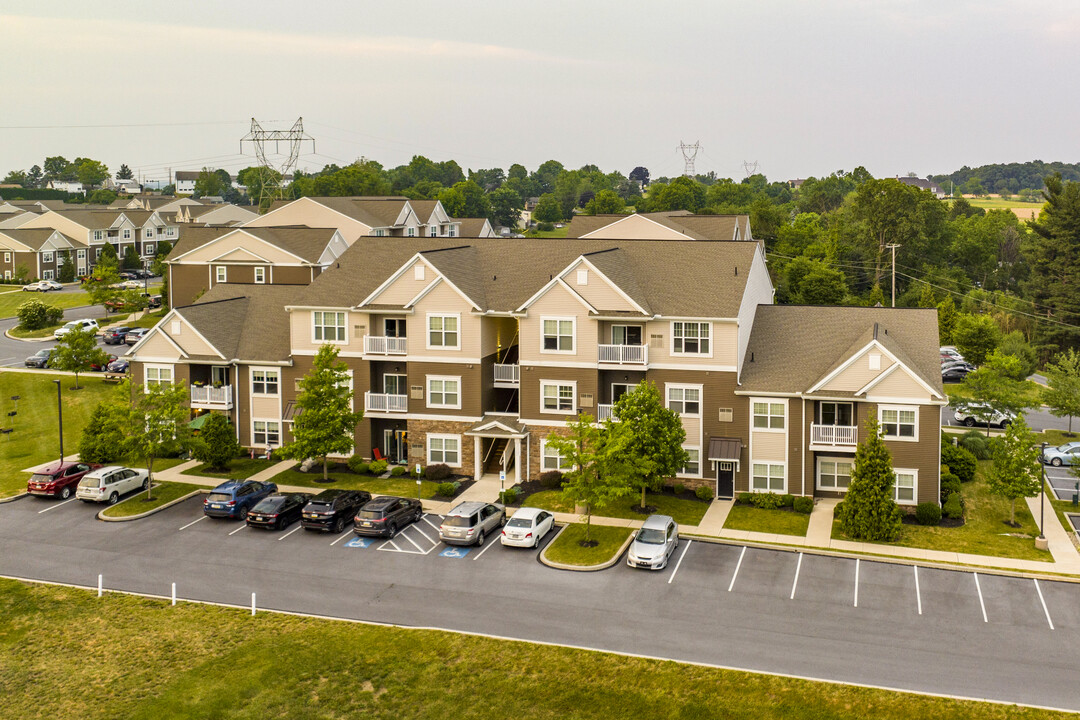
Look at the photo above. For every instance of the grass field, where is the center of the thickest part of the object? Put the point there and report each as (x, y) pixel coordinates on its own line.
(556, 233)
(402, 486)
(68, 654)
(1023, 210)
(567, 550)
(684, 511)
(781, 522)
(1032, 392)
(35, 439)
(10, 300)
(239, 469)
(163, 492)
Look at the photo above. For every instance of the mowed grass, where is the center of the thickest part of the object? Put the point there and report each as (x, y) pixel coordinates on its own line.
(1053, 438)
(36, 437)
(10, 301)
(68, 654)
(402, 486)
(567, 549)
(1031, 392)
(684, 511)
(239, 469)
(754, 519)
(163, 492)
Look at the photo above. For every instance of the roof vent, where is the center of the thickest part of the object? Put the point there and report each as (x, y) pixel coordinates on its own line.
(751, 357)
(736, 271)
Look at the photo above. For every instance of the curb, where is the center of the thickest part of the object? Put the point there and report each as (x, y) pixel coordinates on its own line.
(101, 515)
(13, 498)
(584, 568)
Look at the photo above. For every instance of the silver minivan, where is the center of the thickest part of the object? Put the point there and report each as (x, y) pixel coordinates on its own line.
(107, 484)
(470, 522)
(654, 543)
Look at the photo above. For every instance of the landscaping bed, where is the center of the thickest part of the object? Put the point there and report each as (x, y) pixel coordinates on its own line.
(342, 477)
(239, 469)
(567, 548)
(164, 492)
(685, 509)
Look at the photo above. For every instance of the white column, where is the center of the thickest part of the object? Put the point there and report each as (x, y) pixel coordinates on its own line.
(476, 457)
(517, 460)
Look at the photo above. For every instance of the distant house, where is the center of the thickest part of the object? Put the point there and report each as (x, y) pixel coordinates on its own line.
(127, 187)
(669, 225)
(66, 185)
(924, 185)
(185, 181)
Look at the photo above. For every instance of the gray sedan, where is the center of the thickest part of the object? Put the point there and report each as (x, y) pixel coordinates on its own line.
(1067, 454)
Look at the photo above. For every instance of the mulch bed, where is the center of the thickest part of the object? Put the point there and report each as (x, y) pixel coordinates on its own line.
(945, 522)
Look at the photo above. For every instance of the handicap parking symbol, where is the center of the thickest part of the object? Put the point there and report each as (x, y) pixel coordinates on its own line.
(359, 542)
(454, 552)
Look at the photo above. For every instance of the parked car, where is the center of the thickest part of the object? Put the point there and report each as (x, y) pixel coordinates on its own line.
(527, 527)
(115, 336)
(50, 285)
(233, 499)
(60, 479)
(975, 414)
(134, 336)
(40, 359)
(1067, 454)
(107, 484)
(951, 351)
(470, 522)
(131, 284)
(385, 515)
(277, 511)
(127, 275)
(120, 365)
(955, 371)
(333, 509)
(105, 365)
(39, 286)
(87, 325)
(154, 303)
(654, 543)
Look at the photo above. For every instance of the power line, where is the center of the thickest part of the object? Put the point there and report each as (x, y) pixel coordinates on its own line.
(117, 125)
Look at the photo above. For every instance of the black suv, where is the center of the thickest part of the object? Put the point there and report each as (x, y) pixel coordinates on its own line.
(277, 511)
(384, 516)
(333, 509)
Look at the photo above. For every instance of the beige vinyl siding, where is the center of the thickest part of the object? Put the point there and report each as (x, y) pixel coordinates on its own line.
(558, 303)
(597, 291)
(406, 287)
(692, 426)
(300, 331)
(264, 408)
(898, 385)
(240, 247)
(187, 338)
(444, 300)
(310, 213)
(157, 346)
(769, 446)
(635, 227)
(759, 291)
(723, 337)
(858, 374)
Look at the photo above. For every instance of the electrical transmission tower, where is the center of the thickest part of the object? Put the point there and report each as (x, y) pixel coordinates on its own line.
(689, 152)
(272, 176)
(750, 168)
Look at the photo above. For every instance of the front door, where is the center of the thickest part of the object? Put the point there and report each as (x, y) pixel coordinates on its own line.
(725, 480)
(394, 384)
(395, 446)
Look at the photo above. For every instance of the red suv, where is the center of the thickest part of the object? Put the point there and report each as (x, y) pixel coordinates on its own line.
(58, 479)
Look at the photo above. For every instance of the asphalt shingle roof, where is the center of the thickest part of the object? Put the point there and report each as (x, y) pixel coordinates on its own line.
(244, 321)
(307, 243)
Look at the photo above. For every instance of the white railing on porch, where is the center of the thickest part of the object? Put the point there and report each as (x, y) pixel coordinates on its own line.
(839, 435)
(208, 395)
(508, 374)
(384, 402)
(603, 412)
(624, 354)
(380, 345)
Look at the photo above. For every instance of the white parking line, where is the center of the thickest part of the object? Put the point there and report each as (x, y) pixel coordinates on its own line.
(490, 544)
(51, 507)
(737, 566)
(193, 522)
(856, 582)
(981, 603)
(1039, 590)
(795, 583)
(680, 562)
(298, 527)
(918, 594)
(433, 526)
(417, 528)
(422, 551)
(341, 537)
(242, 527)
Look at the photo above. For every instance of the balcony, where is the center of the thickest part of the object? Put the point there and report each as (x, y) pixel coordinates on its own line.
(834, 436)
(603, 412)
(507, 376)
(384, 402)
(380, 345)
(212, 398)
(624, 355)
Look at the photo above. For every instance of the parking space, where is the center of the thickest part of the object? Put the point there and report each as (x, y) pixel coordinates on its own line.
(951, 593)
(889, 589)
(1062, 603)
(824, 580)
(1013, 601)
(1062, 481)
(767, 573)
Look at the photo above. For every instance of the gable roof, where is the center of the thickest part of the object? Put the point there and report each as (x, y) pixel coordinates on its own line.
(374, 211)
(691, 226)
(306, 243)
(243, 321)
(34, 238)
(474, 227)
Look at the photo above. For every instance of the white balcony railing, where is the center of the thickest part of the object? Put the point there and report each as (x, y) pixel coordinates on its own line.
(380, 345)
(507, 375)
(835, 435)
(207, 396)
(384, 402)
(603, 412)
(624, 354)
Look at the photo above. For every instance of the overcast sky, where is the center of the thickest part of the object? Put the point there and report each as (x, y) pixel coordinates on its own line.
(802, 88)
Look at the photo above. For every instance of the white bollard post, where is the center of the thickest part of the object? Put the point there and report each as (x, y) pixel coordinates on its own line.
(174, 593)
(99, 585)
(252, 604)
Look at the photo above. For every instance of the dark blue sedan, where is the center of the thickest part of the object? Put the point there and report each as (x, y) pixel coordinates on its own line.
(233, 499)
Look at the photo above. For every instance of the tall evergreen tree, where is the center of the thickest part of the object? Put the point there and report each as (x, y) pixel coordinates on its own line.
(1053, 253)
(869, 511)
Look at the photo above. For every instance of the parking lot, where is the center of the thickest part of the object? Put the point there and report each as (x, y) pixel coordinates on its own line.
(805, 614)
(1062, 481)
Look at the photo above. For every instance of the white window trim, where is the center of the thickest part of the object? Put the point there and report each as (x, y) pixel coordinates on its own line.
(444, 379)
(897, 438)
(769, 463)
(221, 273)
(698, 473)
(276, 371)
(46, 257)
(260, 276)
(148, 249)
(126, 235)
(99, 235)
(573, 386)
(543, 458)
(46, 274)
(268, 421)
(159, 368)
(427, 331)
(817, 472)
(769, 401)
(915, 487)
(668, 387)
(7, 257)
(671, 346)
(81, 254)
(432, 436)
(344, 314)
(573, 334)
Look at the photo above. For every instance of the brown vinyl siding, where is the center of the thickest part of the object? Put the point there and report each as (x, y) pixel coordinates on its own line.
(187, 282)
(470, 387)
(288, 275)
(925, 455)
(587, 383)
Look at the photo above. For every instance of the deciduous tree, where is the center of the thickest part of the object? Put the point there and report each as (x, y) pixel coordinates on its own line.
(77, 351)
(506, 207)
(547, 209)
(1063, 379)
(1016, 472)
(157, 424)
(992, 387)
(605, 202)
(869, 510)
(976, 336)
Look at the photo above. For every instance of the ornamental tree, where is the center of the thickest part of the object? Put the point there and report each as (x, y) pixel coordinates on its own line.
(157, 423)
(869, 511)
(77, 352)
(1016, 472)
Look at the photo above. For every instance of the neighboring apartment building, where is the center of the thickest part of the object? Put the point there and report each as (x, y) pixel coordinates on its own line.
(472, 352)
(137, 230)
(669, 225)
(41, 252)
(357, 217)
(223, 215)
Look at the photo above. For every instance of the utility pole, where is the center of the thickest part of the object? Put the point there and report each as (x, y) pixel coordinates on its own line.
(273, 177)
(893, 246)
(689, 152)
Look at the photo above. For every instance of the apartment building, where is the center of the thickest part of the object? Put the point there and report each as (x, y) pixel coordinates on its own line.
(138, 231)
(362, 216)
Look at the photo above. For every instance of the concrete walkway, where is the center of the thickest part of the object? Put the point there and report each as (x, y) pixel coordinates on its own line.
(1057, 537)
(819, 532)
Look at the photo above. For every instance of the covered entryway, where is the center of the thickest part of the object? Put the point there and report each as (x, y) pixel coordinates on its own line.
(497, 447)
(725, 454)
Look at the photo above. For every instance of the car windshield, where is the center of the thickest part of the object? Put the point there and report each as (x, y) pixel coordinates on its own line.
(320, 504)
(370, 514)
(43, 353)
(519, 522)
(458, 521)
(651, 536)
(40, 477)
(218, 497)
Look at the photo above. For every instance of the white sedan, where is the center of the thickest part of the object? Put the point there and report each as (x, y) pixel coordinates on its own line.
(527, 527)
(132, 284)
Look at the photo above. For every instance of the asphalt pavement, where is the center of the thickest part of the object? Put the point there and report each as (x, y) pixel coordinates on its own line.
(899, 626)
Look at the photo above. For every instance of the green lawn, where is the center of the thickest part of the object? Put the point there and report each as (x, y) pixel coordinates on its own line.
(781, 522)
(997, 203)
(685, 512)
(149, 320)
(984, 532)
(556, 233)
(402, 486)
(35, 439)
(1032, 392)
(10, 301)
(1059, 437)
(567, 550)
(239, 469)
(197, 661)
(163, 492)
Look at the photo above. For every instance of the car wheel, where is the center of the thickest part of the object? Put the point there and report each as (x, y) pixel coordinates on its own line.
(969, 422)
(279, 524)
(480, 539)
(65, 493)
(146, 483)
(392, 529)
(1005, 424)
(339, 525)
(113, 498)
(1056, 462)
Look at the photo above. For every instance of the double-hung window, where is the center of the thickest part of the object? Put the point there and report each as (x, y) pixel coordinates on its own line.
(222, 273)
(264, 382)
(690, 338)
(444, 392)
(768, 477)
(556, 397)
(693, 464)
(265, 432)
(551, 459)
(329, 326)
(443, 332)
(7, 257)
(127, 233)
(768, 415)
(46, 257)
(148, 233)
(684, 400)
(158, 375)
(148, 249)
(899, 422)
(833, 474)
(558, 335)
(444, 449)
(904, 486)
(260, 275)
(98, 235)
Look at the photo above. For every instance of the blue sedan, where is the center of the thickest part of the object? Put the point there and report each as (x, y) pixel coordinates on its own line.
(233, 499)
(1067, 454)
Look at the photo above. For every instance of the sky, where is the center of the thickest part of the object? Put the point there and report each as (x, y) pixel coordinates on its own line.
(799, 88)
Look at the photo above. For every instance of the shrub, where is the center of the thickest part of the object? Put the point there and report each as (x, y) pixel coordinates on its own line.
(928, 513)
(508, 496)
(949, 483)
(216, 444)
(803, 505)
(545, 226)
(787, 500)
(678, 488)
(551, 479)
(437, 472)
(953, 508)
(378, 467)
(447, 489)
(961, 460)
(34, 315)
(745, 498)
(975, 443)
(398, 470)
(358, 465)
(767, 501)
(103, 438)
(704, 493)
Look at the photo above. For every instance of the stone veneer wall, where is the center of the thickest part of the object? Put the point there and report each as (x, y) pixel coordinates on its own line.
(418, 432)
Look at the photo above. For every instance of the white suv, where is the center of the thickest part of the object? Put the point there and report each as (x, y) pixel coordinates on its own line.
(978, 414)
(109, 483)
(88, 325)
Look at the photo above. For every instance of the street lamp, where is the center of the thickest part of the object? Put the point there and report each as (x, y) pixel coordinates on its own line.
(60, 416)
(1042, 494)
